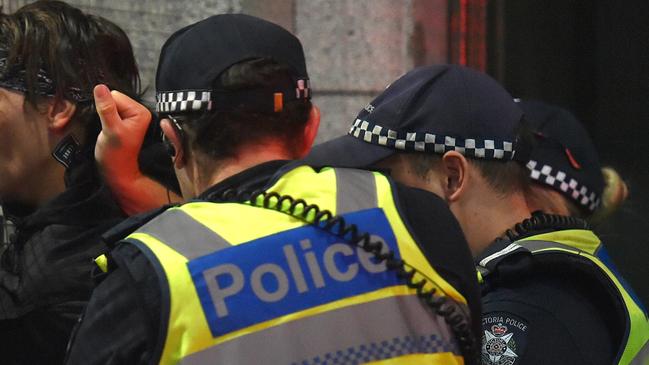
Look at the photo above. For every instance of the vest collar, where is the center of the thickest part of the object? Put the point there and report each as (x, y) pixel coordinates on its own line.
(581, 239)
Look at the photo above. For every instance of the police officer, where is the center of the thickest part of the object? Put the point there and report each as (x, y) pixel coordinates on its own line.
(546, 304)
(568, 181)
(253, 269)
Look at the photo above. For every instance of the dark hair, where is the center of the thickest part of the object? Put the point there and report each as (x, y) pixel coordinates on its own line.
(504, 177)
(220, 134)
(76, 50)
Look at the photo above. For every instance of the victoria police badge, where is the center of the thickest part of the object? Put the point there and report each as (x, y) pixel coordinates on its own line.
(503, 339)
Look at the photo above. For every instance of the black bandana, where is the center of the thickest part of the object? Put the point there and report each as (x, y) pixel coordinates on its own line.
(15, 78)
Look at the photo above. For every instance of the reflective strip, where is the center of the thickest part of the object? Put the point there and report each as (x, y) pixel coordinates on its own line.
(511, 248)
(371, 331)
(355, 190)
(642, 357)
(184, 234)
(535, 246)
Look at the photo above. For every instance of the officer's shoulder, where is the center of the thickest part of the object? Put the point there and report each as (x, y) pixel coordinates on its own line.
(532, 288)
(119, 254)
(131, 224)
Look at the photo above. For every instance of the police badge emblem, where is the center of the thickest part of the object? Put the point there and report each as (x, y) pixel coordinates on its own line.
(502, 339)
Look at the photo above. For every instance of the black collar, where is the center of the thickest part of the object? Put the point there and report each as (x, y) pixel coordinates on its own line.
(538, 223)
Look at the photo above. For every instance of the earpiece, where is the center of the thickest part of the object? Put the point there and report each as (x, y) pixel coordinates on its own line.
(169, 147)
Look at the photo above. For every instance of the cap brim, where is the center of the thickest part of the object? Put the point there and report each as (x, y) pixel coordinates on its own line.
(347, 151)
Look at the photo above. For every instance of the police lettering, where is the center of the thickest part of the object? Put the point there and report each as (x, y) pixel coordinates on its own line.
(518, 324)
(504, 320)
(271, 281)
(492, 320)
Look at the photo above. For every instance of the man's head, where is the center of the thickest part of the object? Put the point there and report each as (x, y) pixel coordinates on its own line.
(233, 91)
(51, 56)
(450, 130)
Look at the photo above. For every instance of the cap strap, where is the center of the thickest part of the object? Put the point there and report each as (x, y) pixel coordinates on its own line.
(560, 180)
(432, 143)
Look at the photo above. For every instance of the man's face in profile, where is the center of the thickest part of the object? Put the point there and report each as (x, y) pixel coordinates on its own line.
(24, 147)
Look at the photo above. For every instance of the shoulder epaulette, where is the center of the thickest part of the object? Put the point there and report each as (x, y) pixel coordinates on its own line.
(131, 224)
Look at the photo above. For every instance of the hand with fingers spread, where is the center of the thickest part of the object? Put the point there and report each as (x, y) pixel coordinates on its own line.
(124, 123)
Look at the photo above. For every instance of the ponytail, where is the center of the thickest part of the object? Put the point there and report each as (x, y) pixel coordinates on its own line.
(615, 193)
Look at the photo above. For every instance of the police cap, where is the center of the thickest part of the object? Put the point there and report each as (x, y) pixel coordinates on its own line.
(431, 109)
(194, 57)
(564, 157)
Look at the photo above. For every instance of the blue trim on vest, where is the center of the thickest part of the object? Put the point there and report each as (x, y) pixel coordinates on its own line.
(603, 256)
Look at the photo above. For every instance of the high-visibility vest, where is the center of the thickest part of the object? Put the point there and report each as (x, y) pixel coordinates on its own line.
(554, 247)
(243, 284)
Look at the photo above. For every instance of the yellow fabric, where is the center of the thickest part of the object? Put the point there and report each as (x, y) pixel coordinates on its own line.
(588, 242)
(422, 359)
(102, 262)
(580, 239)
(188, 331)
(480, 278)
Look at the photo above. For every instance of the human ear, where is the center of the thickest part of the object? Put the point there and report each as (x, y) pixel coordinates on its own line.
(59, 114)
(175, 141)
(455, 167)
(310, 132)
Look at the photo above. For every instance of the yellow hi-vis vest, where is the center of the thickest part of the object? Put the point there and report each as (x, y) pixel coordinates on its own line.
(585, 244)
(251, 285)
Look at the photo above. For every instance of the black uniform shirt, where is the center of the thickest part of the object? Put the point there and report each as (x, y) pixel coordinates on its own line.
(547, 314)
(122, 322)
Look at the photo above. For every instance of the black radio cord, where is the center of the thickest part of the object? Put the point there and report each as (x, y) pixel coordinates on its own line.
(455, 314)
(540, 221)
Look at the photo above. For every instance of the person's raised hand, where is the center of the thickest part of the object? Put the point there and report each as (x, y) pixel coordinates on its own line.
(124, 123)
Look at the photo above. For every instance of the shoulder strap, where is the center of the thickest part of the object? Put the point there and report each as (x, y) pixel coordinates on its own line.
(488, 261)
(538, 246)
(171, 228)
(131, 224)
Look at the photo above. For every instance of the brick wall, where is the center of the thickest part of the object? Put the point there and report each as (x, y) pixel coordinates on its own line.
(354, 47)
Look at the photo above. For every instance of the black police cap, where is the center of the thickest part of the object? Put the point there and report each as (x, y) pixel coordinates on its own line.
(431, 109)
(193, 58)
(564, 156)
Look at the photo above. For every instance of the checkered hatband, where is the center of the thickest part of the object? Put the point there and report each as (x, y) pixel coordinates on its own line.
(432, 143)
(560, 180)
(183, 101)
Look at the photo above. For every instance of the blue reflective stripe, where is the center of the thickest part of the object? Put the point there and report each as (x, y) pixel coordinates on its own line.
(288, 272)
(603, 256)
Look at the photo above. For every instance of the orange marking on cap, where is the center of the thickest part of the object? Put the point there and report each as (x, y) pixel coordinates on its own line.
(279, 102)
(572, 160)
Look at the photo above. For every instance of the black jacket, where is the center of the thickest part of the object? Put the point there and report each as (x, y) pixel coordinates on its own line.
(547, 313)
(122, 322)
(45, 277)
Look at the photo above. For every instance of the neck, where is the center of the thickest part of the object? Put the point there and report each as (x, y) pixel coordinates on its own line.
(50, 183)
(487, 219)
(247, 157)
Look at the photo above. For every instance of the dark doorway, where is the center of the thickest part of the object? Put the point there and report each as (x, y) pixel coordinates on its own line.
(591, 57)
